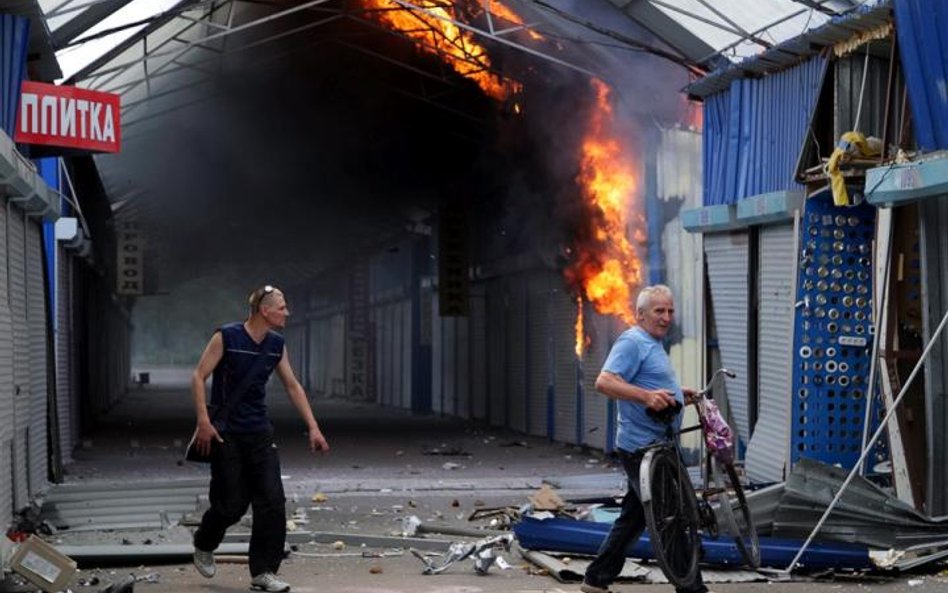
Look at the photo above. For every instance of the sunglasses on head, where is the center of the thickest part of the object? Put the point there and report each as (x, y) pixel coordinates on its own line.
(258, 294)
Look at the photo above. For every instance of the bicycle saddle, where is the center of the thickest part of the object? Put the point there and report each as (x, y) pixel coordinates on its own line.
(667, 415)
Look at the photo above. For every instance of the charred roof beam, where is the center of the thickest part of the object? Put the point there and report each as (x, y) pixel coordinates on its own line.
(495, 37)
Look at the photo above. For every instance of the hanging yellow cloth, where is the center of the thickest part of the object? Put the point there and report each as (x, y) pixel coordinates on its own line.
(850, 144)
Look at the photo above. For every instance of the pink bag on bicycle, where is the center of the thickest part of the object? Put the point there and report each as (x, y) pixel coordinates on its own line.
(718, 436)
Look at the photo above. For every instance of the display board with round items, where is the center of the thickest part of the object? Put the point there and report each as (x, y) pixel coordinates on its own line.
(833, 333)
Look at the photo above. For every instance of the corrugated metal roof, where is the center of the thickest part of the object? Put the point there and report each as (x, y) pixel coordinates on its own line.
(796, 50)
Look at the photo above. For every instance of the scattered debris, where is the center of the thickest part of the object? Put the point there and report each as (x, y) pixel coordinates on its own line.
(446, 451)
(545, 499)
(484, 553)
(320, 497)
(42, 565)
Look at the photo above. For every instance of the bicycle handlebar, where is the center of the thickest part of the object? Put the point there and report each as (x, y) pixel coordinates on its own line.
(721, 371)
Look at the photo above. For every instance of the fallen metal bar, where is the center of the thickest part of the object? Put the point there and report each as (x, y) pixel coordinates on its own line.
(140, 553)
(382, 541)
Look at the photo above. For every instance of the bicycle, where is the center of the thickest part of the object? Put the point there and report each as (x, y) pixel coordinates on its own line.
(673, 513)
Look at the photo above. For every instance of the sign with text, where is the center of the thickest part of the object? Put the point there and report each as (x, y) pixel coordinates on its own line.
(69, 117)
(130, 277)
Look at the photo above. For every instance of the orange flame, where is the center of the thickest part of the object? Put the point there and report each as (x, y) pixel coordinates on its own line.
(582, 340)
(498, 9)
(606, 265)
(431, 26)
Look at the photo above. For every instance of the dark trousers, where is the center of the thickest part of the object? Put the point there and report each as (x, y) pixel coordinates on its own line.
(245, 471)
(625, 532)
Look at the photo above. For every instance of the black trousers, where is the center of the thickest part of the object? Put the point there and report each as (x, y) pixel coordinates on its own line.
(245, 471)
(625, 532)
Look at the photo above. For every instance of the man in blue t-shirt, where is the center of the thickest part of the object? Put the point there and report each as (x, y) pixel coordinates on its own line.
(639, 376)
(245, 464)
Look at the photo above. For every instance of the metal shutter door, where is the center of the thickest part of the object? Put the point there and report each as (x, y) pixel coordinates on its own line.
(727, 257)
(478, 364)
(36, 320)
(933, 214)
(449, 372)
(768, 451)
(437, 359)
(337, 355)
(496, 329)
(6, 382)
(566, 427)
(317, 358)
(21, 353)
(64, 374)
(538, 354)
(406, 353)
(596, 422)
(463, 367)
(516, 327)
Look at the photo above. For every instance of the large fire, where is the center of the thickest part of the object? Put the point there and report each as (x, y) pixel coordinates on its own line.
(432, 25)
(606, 266)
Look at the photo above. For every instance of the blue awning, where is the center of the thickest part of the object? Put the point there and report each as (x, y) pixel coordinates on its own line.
(14, 39)
(922, 28)
(754, 132)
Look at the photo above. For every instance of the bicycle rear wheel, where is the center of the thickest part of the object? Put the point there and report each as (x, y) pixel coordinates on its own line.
(671, 514)
(738, 521)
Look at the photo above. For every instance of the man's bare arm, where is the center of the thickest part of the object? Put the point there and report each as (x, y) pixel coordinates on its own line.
(213, 353)
(317, 442)
(613, 386)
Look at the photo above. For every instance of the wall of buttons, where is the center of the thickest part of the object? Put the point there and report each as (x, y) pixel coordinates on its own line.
(833, 333)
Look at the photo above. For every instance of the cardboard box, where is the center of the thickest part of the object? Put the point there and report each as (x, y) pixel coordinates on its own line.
(40, 564)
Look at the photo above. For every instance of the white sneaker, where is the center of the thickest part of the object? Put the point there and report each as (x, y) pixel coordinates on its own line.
(204, 563)
(267, 581)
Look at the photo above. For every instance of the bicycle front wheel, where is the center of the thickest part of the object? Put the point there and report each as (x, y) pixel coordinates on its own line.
(671, 514)
(738, 521)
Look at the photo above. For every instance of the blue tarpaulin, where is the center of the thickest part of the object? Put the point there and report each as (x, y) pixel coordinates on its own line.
(753, 132)
(922, 28)
(14, 39)
(584, 537)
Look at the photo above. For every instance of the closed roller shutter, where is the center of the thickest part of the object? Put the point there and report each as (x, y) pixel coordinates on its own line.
(539, 350)
(318, 347)
(768, 451)
(437, 359)
(64, 359)
(406, 354)
(463, 366)
(516, 327)
(496, 330)
(933, 214)
(7, 416)
(728, 260)
(36, 321)
(596, 422)
(566, 428)
(478, 354)
(21, 353)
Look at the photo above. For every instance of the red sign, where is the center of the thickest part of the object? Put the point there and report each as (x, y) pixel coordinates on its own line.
(68, 116)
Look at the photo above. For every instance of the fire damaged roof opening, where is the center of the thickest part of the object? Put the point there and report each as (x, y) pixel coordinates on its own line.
(305, 144)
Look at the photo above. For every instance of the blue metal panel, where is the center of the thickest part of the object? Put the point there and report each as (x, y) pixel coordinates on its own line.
(14, 37)
(754, 132)
(49, 170)
(923, 45)
(833, 333)
(584, 537)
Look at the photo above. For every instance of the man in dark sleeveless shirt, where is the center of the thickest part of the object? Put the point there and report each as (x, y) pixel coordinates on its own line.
(245, 465)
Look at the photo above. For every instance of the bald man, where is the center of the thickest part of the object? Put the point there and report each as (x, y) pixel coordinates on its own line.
(245, 463)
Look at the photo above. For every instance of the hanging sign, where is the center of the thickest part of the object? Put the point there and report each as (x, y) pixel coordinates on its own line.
(69, 117)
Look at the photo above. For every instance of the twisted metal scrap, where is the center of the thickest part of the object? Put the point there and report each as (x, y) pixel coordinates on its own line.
(484, 552)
